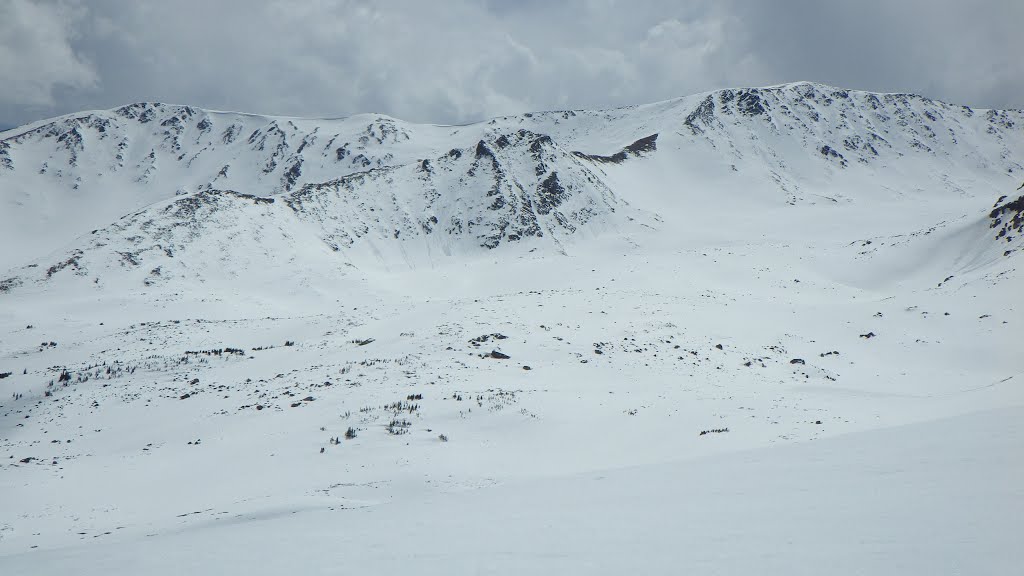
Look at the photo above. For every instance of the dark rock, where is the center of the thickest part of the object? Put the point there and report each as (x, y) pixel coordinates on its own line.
(1009, 218)
(482, 151)
(550, 193)
(645, 144)
(749, 103)
(703, 114)
(476, 342)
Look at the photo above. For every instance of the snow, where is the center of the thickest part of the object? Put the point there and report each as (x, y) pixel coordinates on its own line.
(915, 499)
(668, 294)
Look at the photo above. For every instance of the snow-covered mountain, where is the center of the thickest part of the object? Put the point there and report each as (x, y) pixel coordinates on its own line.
(540, 175)
(613, 334)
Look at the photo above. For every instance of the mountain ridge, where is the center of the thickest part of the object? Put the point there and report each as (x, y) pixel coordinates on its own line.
(82, 171)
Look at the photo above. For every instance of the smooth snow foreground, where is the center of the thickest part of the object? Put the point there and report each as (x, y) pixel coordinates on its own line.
(940, 497)
(764, 331)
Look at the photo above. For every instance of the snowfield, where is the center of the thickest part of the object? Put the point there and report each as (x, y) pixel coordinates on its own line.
(755, 331)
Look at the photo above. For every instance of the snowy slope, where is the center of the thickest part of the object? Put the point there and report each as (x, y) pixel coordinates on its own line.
(746, 331)
(875, 502)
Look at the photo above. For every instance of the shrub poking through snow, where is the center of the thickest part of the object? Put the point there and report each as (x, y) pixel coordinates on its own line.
(398, 427)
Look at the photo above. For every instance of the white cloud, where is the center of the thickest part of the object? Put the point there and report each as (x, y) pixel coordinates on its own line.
(464, 60)
(36, 56)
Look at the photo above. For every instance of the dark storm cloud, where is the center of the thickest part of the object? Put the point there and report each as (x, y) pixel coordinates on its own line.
(463, 60)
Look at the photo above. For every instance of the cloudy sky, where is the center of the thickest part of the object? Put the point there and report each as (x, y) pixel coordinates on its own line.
(452, 61)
